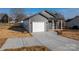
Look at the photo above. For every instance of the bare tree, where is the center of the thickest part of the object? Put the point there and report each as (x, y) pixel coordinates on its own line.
(18, 14)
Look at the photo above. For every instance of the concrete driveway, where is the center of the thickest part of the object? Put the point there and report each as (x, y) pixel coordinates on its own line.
(56, 42)
(51, 40)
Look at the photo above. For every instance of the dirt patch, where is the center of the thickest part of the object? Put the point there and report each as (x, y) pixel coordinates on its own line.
(31, 48)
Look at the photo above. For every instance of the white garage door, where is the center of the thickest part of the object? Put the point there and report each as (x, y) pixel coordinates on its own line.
(38, 27)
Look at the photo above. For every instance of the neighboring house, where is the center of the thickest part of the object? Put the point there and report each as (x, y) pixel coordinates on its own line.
(43, 21)
(5, 18)
(73, 23)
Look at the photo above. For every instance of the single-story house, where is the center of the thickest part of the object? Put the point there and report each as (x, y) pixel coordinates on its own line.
(73, 23)
(43, 21)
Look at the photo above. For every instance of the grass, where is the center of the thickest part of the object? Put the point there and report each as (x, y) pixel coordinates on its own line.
(5, 33)
(31, 48)
(73, 34)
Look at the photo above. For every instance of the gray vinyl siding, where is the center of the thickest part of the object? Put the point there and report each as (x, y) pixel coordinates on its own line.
(38, 18)
(47, 26)
(26, 24)
(30, 25)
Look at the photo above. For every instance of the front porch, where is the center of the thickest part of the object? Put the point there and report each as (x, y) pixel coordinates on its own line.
(56, 25)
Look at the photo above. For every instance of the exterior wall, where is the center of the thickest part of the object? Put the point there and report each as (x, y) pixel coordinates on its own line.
(30, 25)
(25, 24)
(74, 22)
(37, 18)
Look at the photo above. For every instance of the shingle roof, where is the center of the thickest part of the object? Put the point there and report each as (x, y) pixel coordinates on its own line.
(46, 14)
(43, 14)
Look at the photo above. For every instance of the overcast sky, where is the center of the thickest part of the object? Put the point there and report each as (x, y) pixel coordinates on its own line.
(67, 12)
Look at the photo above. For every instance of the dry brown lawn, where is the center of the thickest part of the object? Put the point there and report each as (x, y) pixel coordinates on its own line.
(30, 48)
(2, 41)
(74, 34)
(5, 33)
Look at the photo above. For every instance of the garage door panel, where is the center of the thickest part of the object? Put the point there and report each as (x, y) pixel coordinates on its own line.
(38, 27)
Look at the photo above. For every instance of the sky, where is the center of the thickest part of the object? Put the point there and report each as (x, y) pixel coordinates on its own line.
(67, 12)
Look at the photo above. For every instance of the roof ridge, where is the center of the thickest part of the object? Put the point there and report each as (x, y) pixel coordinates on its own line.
(49, 13)
(43, 15)
(40, 13)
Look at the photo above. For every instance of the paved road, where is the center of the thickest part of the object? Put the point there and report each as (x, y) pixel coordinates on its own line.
(48, 39)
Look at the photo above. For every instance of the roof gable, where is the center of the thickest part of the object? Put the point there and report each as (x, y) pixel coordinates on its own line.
(38, 18)
(46, 14)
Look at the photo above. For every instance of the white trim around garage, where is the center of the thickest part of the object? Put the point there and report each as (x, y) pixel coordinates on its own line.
(38, 26)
